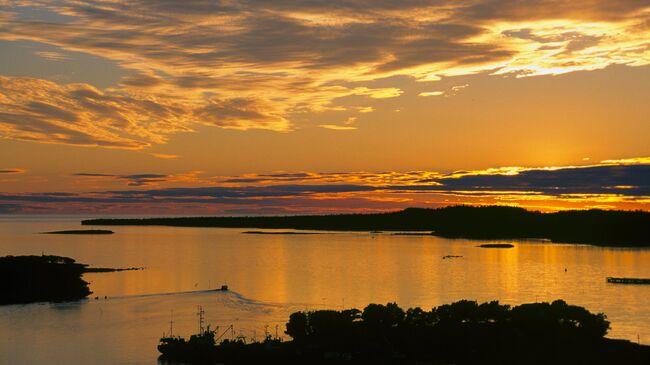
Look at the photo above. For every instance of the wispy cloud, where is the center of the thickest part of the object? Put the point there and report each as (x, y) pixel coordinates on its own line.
(52, 56)
(131, 180)
(164, 156)
(144, 179)
(12, 171)
(336, 127)
(79, 114)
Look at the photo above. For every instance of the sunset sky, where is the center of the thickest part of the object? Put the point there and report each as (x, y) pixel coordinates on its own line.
(284, 107)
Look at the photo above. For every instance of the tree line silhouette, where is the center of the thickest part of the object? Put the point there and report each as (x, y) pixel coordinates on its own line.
(596, 227)
(463, 332)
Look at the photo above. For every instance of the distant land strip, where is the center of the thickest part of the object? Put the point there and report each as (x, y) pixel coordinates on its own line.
(280, 233)
(595, 227)
(110, 269)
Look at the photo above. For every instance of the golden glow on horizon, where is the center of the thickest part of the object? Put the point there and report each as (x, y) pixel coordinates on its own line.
(308, 192)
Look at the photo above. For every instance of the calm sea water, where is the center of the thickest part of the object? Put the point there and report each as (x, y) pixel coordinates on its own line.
(271, 276)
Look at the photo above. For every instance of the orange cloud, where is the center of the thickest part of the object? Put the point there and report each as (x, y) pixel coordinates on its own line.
(79, 114)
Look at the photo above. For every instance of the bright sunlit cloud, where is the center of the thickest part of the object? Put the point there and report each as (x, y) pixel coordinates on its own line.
(431, 93)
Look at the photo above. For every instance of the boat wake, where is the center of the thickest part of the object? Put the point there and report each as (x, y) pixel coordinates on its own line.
(166, 294)
(239, 300)
(227, 298)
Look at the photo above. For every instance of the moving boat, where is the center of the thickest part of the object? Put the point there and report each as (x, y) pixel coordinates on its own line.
(224, 287)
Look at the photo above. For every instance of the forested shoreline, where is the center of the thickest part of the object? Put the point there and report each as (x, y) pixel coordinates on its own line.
(596, 227)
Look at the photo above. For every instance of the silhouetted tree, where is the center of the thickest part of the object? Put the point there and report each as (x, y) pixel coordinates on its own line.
(377, 315)
(298, 326)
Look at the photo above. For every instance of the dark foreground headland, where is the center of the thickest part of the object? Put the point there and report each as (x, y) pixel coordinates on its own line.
(463, 332)
(27, 279)
(596, 227)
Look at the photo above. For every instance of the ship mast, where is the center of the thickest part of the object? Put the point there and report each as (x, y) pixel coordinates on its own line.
(200, 314)
(171, 325)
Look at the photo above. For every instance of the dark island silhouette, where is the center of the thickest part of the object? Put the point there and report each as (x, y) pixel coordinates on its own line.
(496, 245)
(596, 227)
(27, 279)
(463, 332)
(81, 231)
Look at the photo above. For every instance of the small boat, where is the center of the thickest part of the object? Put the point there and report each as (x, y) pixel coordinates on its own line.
(224, 287)
(628, 281)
